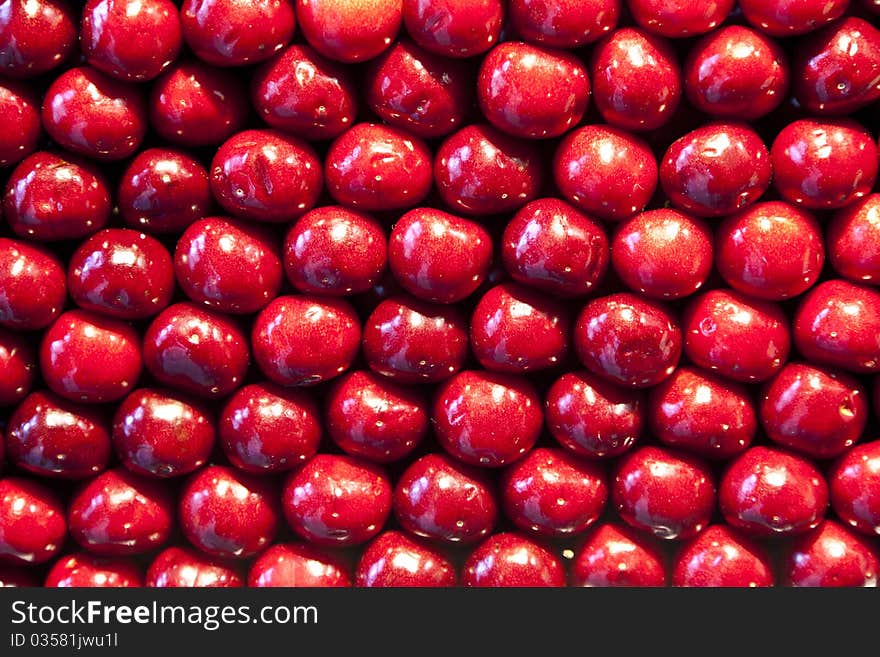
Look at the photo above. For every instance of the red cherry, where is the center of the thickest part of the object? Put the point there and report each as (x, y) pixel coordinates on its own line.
(297, 565)
(121, 273)
(133, 42)
(194, 104)
(236, 32)
(628, 340)
(35, 36)
(210, 257)
(32, 522)
(853, 238)
(454, 28)
(90, 113)
(702, 413)
(368, 415)
(511, 560)
(636, 79)
(740, 338)
(18, 576)
(163, 191)
(480, 171)
(33, 283)
(159, 433)
(83, 570)
(336, 500)
(784, 18)
(393, 559)
(52, 437)
(79, 191)
(831, 556)
(563, 23)
(352, 32)
(303, 340)
(228, 514)
(414, 341)
(854, 481)
(18, 368)
(837, 323)
(665, 492)
(300, 92)
(119, 513)
(89, 358)
(439, 498)
(264, 175)
(335, 250)
(266, 428)
(195, 350)
(615, 555)
(722, 557)
(679, 18)
(183, 567)
(664, 254)
(20, 113)
(766, 491)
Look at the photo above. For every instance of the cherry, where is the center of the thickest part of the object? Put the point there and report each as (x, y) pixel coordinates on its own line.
(35, 36)
(509, 559)
(18, 367)
(34, 285)
(393, 559)
(831, 556)
(679, 18)
(297, 565)
(20, 113)
(852, 245)
(184, 567)
(563, 23)
(18, 576)
(32, 522)
(790, 17)
(722, 557)
(854, 482)
(615, 555)
(454, 28)
(83, 570)
(353, 32)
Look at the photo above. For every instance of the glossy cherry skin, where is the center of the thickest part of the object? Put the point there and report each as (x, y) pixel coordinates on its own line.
(823, 164)
(18, 368)
(159, 433)
(20, 113)
(740, 338)
(236, 32)
(52, 437)
(183, 567)
(194, 104)
(89, 358)
(393, 559)
(163, 191)
(853, 236)
(679, 18)
(636, 79)
(767, 491)
(335, 250)
(351, 32)
(854, 482)
(737, 73)
(837, 324)
(615, 555)
(370, 416)
(212, 254)
(303, 340)
(605, 171)
(722, 557)
(34, 285)
(228, 514)
(627, 340)
(487, 419)
(550, 492)
(702, 413)
(119, 513)
(196, 350)
(336, 500)
(131, 42)
(771, 250)
(265, 175)
(437, 256)
(33, 527)
(454, 28)
(121, 273)
(302, 93)
(439, 498)
(90, 113)
(413, 341)
(813, 410)
(419, 91)
(481, 171)
(831, 556)
(791, 17)
(512, 560)
(265, 428)
(83, 570)
(716, 169)
(565, 23)
(18, 577)
(297, 565)
(35, 37)
(666, 492)
(81, 198)
(663, 254)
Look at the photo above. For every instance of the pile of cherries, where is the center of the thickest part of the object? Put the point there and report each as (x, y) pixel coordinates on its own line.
(439, 292)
